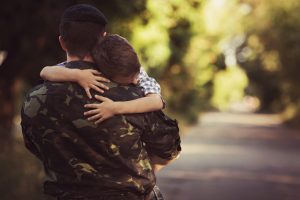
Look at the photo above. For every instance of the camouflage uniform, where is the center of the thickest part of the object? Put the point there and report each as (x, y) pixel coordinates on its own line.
(87, 161)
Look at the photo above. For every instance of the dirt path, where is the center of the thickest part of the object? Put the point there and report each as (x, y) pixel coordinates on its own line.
(235, 157)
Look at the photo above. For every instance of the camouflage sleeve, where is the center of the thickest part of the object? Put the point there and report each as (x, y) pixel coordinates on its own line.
(162, 136)
(30, 145)
(27, 132)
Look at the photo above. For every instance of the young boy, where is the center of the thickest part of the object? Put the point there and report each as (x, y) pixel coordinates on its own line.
(93, 79)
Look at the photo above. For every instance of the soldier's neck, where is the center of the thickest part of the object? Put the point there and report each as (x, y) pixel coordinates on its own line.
(87, 58)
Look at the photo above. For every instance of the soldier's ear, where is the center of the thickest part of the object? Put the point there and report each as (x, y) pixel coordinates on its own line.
(62, 43)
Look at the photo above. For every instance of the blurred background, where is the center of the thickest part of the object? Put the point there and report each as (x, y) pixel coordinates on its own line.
(229, 71)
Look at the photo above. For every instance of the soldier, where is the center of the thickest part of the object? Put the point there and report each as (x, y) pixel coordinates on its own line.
(113, 160)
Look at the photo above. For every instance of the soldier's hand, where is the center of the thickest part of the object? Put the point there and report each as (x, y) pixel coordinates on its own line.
(100, 111)
(91, 79)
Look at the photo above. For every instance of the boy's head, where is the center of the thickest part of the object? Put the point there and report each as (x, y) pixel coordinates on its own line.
(80, 28)
(117, 59)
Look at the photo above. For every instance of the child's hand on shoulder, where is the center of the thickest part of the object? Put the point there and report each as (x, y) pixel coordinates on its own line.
(91, 79)
(101, 111)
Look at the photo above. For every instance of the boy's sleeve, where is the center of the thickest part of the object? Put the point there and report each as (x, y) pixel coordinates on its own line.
(149, 85)
(63, 64)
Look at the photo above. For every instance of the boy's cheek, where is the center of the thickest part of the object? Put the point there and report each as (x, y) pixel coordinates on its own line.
(135, 81)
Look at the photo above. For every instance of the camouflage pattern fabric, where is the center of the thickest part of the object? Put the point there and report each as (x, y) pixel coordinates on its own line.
(155, 194)
(84, 161)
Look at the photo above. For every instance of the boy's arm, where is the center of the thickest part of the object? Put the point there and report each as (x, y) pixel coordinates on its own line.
(87, 78)
(109, 108)
(151, 102)
(59, 73)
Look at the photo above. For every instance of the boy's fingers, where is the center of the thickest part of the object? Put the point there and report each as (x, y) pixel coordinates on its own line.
(100, 85)
(94, 87)
(101, 98)
(99, 120)
(94, 117)
(91, 112)
(91, 105)
(101, 78)
(95, 72)
(87, 90)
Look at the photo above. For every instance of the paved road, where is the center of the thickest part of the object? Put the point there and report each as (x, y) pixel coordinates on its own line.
(235, 157)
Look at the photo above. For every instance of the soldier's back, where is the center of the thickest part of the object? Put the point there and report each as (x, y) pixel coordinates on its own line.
(83, 159)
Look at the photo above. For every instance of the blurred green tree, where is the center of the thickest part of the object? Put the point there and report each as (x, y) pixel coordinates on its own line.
(270, 55)
(171, 39)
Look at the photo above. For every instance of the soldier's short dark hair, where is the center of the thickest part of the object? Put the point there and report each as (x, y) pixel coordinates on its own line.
(116, 57)
(80, 27)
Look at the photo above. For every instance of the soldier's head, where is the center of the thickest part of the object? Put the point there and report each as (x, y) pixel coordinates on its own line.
(80, 27)
(117, 59)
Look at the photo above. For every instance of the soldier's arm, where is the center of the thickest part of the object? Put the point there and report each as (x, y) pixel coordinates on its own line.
(159, 163)
(162, 139)
(30, 145)
(28, 129)
(87, 78)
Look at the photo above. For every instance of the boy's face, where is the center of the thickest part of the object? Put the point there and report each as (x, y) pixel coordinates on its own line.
(133, 79)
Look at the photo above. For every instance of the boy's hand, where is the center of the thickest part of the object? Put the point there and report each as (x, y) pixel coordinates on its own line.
(91, 79)
(101, 111)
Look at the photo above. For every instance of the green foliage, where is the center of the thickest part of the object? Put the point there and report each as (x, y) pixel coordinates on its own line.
(170, 39)
(229, 86)
(273, 61)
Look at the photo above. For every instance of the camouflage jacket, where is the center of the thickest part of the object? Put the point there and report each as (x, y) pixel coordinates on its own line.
(87, 161)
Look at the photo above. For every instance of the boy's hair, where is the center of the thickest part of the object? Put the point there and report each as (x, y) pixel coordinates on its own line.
(80, 27)
(116, 57)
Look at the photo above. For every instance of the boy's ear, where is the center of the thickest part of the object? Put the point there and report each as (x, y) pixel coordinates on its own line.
(62, 43)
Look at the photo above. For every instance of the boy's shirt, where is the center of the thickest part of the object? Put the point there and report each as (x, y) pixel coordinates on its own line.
(149, 84)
